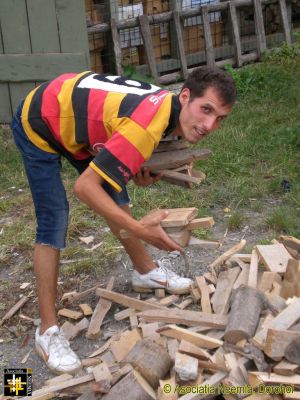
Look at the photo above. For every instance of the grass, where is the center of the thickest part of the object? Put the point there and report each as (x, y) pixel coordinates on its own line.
(256, 149)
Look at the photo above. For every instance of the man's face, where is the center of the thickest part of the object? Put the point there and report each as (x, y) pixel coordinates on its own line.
(200, 116)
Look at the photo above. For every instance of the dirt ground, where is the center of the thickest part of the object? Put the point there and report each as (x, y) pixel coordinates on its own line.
(17, 334)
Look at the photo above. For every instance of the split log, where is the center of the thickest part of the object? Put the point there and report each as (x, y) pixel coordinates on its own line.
(221, 297)
(291, 280)
(274, 256)
(151, 360)
(173, 159)
(246, 307)
(132, 387)
(220, 260)
(186, 367)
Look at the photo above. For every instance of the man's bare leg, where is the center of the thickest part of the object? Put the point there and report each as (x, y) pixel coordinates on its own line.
(136, 250)
(46, 263)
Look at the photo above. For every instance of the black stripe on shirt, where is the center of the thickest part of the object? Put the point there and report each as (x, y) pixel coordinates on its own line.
(80, 100)
(112, 167)
(174, 116)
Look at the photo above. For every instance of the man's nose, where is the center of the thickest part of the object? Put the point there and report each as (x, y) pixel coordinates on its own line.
(210, 122)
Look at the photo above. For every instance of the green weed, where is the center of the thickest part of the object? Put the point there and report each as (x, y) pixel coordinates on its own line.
(235, 221)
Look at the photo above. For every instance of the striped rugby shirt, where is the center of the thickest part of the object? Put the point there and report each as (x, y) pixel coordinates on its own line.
(118, 119)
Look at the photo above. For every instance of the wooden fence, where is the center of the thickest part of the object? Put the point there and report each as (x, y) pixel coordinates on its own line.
(38, 40)
(237, 52)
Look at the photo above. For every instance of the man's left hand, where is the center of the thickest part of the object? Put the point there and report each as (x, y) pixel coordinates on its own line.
(145, 178)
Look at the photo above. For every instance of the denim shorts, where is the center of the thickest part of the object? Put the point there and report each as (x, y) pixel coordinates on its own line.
(49, 196)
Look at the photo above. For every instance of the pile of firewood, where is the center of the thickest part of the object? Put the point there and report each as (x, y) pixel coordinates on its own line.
(241, 334)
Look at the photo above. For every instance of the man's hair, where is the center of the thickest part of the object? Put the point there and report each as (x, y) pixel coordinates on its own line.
(202, 78)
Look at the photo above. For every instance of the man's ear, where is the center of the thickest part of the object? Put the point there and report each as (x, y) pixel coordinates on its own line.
(184, 96)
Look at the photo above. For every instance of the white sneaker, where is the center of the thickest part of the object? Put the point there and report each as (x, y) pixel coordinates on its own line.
(160, 278)
(55, 350)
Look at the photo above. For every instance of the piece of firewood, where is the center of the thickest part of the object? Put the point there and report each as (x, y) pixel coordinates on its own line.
(274, 256)
(292, 351)
(220, 299)
(291, 280)
(173, 159)
(160, 293)
(195, 338)
(86, 309)
(120, 348)
(241, 324)
(71, 331)
(102, 372)
(292, 245)
(101, 310)
(201, 223)
(71, 297)
(186, 367)
(14, 309)
(253, 271)
(257, 378)
(283, 320)
(267, 279)
(185, 317)
(211, 383)
(132, 386)
(192, 350)
(205, 300)
(286, 368)
(126, 300)
(177, 217)
(67, 313)
(151, 360)
(225, 256)
(161, 395)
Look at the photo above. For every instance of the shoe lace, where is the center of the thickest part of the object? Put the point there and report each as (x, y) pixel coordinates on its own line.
(164, 265)
(59, 344)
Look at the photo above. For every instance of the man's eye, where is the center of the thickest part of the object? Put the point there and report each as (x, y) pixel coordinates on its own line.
(206, 109)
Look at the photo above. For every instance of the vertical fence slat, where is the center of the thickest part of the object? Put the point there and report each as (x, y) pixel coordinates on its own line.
(43, 26)
(285, 21)
(117, 46)
(182, 57)
(16, 40)
(209, 48)
(5, 106)
(259, 27)
(147, 39)
(236, 34)
(72, 27)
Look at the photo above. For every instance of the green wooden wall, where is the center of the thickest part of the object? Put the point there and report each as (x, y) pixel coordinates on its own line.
(39, 39)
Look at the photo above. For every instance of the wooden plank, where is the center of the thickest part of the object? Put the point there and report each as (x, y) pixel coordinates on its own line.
(285, 21)
(179, 176)
(43, 24)
(173, 159)
(242, 278)
(274, 256)
(102, 308)
(256, 378)
(267, 279)
(286, 368)
(197, 339)
(192, 350)
(201, 223)
(291, 280)
(179, 37)
(225, 256)
(220, 299)
(185, 317)
(259, 27)
(277, 341)
(14, 309)
(205, 300)
(253, 271)
(65, 312)
(72, 27)
(178, 217)
(236, 34)
(117, 46)
(41, 67)
(5, 106)
(209, 48)
(283, 320)
(126, 300)
(148, 44)
(16, 39)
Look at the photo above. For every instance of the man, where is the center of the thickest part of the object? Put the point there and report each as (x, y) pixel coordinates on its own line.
(106, 126)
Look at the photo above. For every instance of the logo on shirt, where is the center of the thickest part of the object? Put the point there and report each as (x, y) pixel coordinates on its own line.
(125, 174)
(97, 147)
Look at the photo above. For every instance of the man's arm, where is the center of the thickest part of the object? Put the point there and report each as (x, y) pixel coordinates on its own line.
(89, 190)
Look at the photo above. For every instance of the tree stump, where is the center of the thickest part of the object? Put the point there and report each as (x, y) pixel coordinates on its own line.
(247, 304)
(132, 387)
(151, 360)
